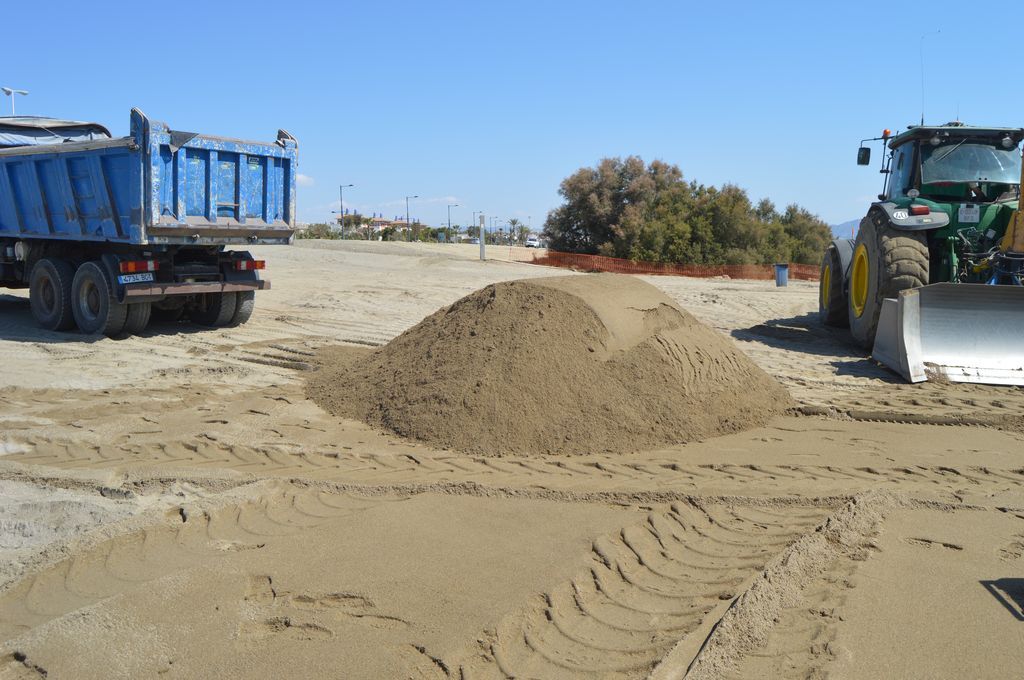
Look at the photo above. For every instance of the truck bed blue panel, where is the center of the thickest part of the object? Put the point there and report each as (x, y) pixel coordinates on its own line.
(154, 187)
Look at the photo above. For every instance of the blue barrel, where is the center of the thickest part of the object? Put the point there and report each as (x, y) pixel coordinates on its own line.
(781, 274)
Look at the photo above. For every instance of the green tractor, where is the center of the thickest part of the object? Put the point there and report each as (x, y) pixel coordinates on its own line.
(932, 283)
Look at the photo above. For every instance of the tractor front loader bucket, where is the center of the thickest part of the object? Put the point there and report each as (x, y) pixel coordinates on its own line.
(961, 332)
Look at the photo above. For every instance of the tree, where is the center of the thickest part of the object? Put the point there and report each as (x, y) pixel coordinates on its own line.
(606, 204)
(626, 208)
(357, 227)
(318, 230)
(428, 234)
(518, 231)
(807, 238)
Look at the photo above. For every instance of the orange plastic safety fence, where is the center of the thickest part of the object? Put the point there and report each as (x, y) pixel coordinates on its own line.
(599, 263)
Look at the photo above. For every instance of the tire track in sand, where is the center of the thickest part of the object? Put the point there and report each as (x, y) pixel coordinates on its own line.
(596, 472)
(802, 642)
(782, 625)
(646, 587)
(183, 541)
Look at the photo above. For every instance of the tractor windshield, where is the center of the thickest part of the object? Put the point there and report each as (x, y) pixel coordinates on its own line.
(969, 161)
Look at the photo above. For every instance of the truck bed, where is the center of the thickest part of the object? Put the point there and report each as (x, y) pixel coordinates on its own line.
(156, 186)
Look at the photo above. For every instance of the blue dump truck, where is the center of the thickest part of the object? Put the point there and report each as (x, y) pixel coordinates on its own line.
(107, 232)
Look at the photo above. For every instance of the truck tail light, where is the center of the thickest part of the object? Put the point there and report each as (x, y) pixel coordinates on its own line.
(249, 265)
(136, 266)
(920, 210)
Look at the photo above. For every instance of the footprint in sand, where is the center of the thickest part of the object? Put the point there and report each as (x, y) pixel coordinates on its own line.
(929, 543)
(284, 625)
(306, 616)
(1013, 550)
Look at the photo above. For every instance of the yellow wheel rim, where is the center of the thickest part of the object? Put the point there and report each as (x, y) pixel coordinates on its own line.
(826, 286)
(859, 280)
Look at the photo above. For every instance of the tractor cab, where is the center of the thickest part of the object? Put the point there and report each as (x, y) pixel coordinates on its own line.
(959, 186)
(953, 163)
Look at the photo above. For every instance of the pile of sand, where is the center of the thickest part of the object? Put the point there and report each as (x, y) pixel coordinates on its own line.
(576, 364)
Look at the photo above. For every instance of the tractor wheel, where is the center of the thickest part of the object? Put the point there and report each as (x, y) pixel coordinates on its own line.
(831, 302)
(215, 309)
(886, 260)
(49, 294)
(93, 303)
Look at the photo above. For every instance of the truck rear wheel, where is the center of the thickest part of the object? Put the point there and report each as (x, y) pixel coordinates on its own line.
(831, 302)
(93, 303)
(244, 306)
(886, 260)
(215, 309)
(49, 294)
(137, 318)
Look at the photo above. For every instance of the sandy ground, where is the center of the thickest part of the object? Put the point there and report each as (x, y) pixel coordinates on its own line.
(172, 506)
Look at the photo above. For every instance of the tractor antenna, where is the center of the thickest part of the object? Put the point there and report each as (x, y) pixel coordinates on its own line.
(923, 36)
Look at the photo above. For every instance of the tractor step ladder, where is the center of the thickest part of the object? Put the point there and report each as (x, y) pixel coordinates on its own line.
(962, 332)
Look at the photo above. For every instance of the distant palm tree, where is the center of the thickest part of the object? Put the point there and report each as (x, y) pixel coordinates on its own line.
(517, 231)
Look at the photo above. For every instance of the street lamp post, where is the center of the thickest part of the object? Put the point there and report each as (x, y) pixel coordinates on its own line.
(408, 226)
(341, 206)
(11, 92)
(450, 206)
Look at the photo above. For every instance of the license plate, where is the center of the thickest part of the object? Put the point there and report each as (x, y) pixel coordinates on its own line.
(969, 214)
(146, 277)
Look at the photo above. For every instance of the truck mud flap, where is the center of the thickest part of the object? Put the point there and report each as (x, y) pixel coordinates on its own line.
(962, 332)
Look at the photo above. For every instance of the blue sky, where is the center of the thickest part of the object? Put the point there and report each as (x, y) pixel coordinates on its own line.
(491, 105)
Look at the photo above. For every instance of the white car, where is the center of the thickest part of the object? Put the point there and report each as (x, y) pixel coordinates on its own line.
(532, 242)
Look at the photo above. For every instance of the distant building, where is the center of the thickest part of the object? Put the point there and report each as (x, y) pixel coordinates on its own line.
(379, 224)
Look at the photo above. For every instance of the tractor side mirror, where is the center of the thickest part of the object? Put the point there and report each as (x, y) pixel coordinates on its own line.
(864, 155)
